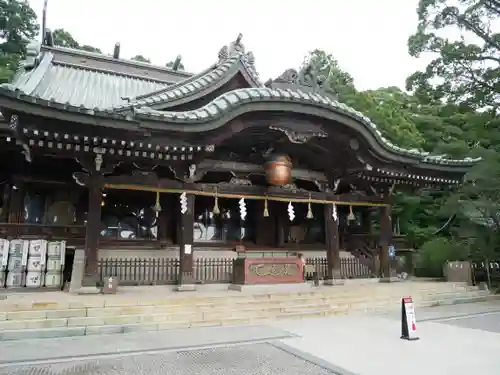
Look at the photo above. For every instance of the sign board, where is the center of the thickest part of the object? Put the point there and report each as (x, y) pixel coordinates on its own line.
(392, 251)
(4, 252)
(408, 320)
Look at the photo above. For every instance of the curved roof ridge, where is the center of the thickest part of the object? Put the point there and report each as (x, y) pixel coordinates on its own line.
(209, 80)
(239, 97)
(175, 85)
(232, 59)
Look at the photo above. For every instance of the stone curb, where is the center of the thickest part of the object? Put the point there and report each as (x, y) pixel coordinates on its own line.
(312, 359)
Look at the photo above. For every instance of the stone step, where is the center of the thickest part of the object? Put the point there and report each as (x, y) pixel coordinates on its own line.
(37, 326)
(117, 301)
(137, 323)
(46, 313)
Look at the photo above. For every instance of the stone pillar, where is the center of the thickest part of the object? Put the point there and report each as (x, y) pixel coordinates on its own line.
(385, 241)
(186, 274)
(332, 247)
(92, 233)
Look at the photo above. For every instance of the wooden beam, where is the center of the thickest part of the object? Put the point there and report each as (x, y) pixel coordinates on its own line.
(236, 191)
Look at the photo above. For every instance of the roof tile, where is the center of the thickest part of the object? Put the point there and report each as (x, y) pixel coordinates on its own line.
(90, 88)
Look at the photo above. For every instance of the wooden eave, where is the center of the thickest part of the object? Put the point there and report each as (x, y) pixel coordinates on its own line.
(223, 111)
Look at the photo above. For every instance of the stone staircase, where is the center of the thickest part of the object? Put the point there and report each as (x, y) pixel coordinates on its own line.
(49, 315)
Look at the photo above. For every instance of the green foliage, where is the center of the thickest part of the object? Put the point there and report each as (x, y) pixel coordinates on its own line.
(459, 92)
(141, 58)
(63, 38)
(466, 69)
(18, 26)
(435, 253)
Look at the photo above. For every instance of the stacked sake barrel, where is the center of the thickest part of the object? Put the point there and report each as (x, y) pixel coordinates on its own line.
(36, 263)
(16, 264)
(56, 253)
(4, 256)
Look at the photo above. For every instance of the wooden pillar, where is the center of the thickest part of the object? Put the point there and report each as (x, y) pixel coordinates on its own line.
(186, 275)
(332, 245)
(366, 221)
(6, 202)
(385, 241)
(265, 226)
(16, 206)
(91, 277)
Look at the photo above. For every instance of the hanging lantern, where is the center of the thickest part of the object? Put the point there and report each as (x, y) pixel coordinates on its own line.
(266, 211)
(309, 209)
(216, 210)
(351, 216)
(279, 170)
(157, 206)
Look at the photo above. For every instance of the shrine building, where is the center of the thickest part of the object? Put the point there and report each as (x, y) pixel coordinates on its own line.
(129, 160)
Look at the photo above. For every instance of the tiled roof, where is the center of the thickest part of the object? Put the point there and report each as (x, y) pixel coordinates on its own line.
(79, 86)
(92, 91)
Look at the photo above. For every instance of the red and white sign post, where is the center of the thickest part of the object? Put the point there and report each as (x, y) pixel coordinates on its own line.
(408, 320)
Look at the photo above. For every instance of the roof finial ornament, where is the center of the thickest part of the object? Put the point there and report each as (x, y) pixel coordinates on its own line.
(49, 38)
(32, 53)
(44, 21)
(250, 58)
(116, 51)
(237, 47)
(223, 54)
(306, 79)
(177, 63)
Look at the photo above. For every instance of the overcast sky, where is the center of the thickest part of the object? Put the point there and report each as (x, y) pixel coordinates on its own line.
(367, 37)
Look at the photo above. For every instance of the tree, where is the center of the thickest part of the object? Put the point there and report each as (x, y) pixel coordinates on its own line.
(458, 99)
(18, 26)
(466, 70)
(63, 38)
(387, 107)
(141, 58)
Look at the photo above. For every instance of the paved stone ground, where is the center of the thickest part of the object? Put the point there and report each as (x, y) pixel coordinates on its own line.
(254, 359)
(489, 322)
(370, 345)
(85, 346)
(457, 340)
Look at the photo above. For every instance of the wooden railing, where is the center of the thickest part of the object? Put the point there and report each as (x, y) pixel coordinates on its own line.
(367, 245)
(155, 271)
